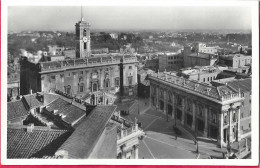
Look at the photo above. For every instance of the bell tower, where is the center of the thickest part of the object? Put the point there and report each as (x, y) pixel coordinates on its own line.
(82, 38)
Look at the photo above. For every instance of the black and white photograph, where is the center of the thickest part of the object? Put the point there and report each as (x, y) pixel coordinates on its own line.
(90, 81)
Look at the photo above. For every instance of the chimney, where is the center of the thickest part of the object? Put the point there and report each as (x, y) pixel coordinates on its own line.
(208, 90)
(30, 127)
(55, 111)
(196, 86)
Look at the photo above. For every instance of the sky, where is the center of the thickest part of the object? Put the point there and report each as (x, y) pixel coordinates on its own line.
(63, 18)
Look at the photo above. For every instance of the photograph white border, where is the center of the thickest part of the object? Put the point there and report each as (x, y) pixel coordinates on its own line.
(255, 85)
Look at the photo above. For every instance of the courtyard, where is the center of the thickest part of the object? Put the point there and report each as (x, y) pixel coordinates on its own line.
(160, 140)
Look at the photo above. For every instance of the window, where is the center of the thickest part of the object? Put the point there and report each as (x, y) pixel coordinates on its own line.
(249, 125)
(130, 67)
(130, 80)
(68, 89)
(242, 94)
(81, 72)
(117, 82)
(53, 77)
(84, 32)
(250, 101)
(85, 46)
(242, 104)
(94, 87)
(68, 74)
(81, 87)
(208, 78)
(106, 83)
(203, 79)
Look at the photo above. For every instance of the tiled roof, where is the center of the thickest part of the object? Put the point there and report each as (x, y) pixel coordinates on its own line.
(23, 144)
(108, 148)
(85, 136)
(17, 109)
(50, 97)
(243, 84)
(32, 101)
(69, 111)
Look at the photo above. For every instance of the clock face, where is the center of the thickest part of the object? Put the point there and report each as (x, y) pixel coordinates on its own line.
(85, 39)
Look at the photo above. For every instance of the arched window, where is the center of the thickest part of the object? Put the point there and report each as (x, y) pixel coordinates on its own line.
(85, 32)
(107, 83)
(94, 87)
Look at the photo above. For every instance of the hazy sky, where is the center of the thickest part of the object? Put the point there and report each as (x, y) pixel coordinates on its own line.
(125, 18)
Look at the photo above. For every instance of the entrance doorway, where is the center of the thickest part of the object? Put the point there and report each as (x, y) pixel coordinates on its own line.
(179, 114)
(161, 105)
(200, 125)
(213, 132)
(189, 120)
(169, 110)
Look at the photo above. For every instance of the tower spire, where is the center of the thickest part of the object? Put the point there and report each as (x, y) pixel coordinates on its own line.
(82, 18)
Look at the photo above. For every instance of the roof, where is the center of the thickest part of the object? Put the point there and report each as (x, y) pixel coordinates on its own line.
(23, 144)
(146, 82)
(207, 90)
(68, 110)
(243, 84)
(108, 148)
(83, 139)
(32, 100)
(203, 55)
(16, 109)
(49, 97)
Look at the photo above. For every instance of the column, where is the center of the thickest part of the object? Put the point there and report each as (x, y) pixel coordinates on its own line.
(157, 97)
(151, 93)
(238, 124)
(193, 115)
(230, 128)
(164, 102)
(221, 131)
(101, 78)
(182, 110)
(206, 121)
(173, 106)
(136, 151)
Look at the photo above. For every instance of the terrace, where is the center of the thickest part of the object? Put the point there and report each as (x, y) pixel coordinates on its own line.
(85, 62)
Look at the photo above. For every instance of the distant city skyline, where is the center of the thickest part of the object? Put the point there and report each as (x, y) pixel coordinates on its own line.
(117, 18)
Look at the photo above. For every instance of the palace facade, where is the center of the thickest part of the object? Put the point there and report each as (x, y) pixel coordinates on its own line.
(202, 109)
(83, 75)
